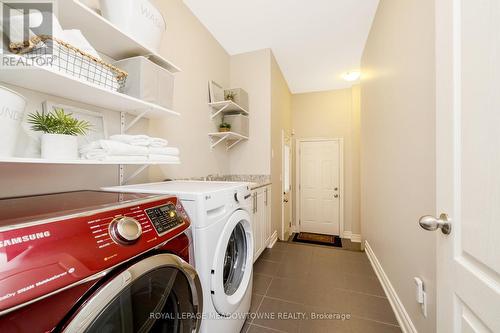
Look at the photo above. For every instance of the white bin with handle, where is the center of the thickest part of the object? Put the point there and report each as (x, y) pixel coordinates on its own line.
(12, 106)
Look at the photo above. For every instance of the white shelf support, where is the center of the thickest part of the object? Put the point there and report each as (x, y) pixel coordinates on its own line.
(220, 111)
(135, 120)
(135, 174)
(233, 144)
(219, 141)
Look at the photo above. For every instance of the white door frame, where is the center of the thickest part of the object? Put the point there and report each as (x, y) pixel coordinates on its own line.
(291, 193)
(297, 179)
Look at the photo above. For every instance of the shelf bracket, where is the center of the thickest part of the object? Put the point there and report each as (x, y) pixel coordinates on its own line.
(233, 144)
(220, 111)
(135, 120)
(135, 174)
(219, 141)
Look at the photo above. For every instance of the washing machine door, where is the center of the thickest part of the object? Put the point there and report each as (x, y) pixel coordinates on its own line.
(161, 293)
(232, 268)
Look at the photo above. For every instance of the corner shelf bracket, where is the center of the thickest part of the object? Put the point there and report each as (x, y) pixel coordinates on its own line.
(214, 144)
(231, 145)
(219, 111)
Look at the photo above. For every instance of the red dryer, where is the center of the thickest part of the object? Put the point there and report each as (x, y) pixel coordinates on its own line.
(90, 261)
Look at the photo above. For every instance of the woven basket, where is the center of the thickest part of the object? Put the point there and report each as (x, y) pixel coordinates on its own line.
(73, 61)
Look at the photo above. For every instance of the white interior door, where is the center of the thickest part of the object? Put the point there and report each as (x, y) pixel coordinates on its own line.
(468, 164)
(320, 186)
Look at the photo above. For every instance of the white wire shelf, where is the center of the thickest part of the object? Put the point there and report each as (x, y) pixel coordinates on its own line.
(116, 44)
(226, 107)
(231, 139)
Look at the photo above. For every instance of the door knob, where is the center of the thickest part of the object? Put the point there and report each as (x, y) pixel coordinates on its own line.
(432, 223)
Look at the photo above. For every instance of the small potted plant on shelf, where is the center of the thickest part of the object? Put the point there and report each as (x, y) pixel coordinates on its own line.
(60, 130)
(230, 95)
(224, 127)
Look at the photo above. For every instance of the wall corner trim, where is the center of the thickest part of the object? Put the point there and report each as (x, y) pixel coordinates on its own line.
(274, 239)
(355, 238)
(402, 315)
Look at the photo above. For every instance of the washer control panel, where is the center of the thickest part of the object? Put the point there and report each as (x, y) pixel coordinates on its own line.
(164, 218)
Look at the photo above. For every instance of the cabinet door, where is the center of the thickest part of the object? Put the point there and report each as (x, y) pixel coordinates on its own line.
(268, 220)
(261, 206)
(257, 245)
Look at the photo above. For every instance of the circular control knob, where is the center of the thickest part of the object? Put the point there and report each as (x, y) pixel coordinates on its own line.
(125, 230)
(241, 196)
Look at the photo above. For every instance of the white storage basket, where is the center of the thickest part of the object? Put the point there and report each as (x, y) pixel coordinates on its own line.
(239, 123)
(12, 107)
(148, 81)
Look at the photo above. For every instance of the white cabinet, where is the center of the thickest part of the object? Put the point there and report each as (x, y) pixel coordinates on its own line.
(261, 227)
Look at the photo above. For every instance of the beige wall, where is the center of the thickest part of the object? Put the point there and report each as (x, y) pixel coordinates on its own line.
(252, 72)
(281, 120)
(189, 45)
(398, 148)
(333, 114)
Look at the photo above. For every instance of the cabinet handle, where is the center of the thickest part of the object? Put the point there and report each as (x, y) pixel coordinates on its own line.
(266, 196)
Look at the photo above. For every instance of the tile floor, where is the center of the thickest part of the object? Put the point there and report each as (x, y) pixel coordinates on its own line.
(308, 280)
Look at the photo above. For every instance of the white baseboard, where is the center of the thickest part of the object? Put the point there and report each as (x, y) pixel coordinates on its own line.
(402, 316)
(356, 238)
(274, 239)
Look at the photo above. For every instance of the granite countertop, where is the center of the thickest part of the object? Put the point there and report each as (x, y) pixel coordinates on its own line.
(254, 181)
(256, 185)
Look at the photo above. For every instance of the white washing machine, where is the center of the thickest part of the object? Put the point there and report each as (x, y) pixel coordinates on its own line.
(223, 246)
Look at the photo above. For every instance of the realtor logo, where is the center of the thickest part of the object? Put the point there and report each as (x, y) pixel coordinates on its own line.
(23, 23)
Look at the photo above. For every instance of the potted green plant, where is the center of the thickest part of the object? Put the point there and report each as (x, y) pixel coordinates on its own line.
(60, 131)
(224, 127)
(230, 95)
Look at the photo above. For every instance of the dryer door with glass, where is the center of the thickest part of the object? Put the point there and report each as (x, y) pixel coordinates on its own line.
(232, 268)
(161, 293)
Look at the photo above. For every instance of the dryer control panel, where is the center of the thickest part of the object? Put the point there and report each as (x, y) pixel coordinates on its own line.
(164, 218)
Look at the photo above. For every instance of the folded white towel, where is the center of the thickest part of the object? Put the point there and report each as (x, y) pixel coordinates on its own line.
(164, 158)
(139, 140)
(122, 149)
(129, 158)
(172, 151)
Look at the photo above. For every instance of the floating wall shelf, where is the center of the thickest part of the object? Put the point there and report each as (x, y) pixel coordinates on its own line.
(226, 107)
(104, 36)
(52, 82)
(231, 139)
(22, 160)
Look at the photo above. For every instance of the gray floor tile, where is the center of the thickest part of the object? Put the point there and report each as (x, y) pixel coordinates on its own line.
(293, 270)
(294, 278)
(261, 283)
(372, 307)
(256, 301)
(363, 284)
(358, 268)
(245, 327)
(273, 255)
(368, 326)
(336, 300)
(288, 289)
(269, 268)
(324, 321)
(278, 313)
(258, 329)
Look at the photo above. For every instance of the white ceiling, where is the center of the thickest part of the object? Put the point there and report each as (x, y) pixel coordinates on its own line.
(314, 41)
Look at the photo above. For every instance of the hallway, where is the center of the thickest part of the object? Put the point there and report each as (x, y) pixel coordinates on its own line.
(292, 278)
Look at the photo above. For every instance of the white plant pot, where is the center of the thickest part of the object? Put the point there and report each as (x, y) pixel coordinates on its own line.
(12, 107)
(59, 147)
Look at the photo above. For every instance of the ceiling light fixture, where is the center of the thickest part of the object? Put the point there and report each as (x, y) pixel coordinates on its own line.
(352, 76)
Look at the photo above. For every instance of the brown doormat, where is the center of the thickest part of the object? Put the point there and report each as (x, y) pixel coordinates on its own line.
(318, 239)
